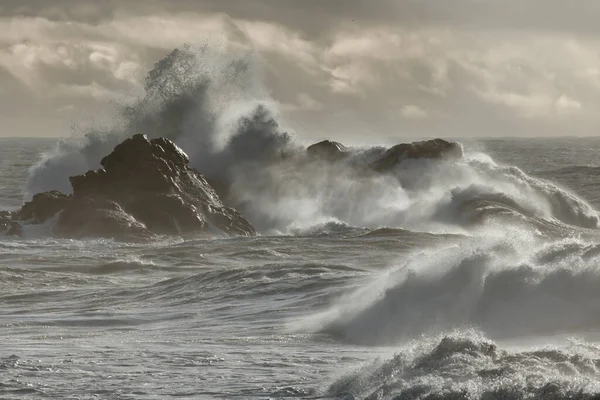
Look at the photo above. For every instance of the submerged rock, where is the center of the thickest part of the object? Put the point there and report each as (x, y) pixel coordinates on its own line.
(436, 148)
(145, 187)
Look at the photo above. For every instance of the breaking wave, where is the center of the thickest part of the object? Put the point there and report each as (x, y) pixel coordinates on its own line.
(510, 286)
(467, 365)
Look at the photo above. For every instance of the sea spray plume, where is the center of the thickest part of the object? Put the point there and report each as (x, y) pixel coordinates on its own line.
(214, 106)
(175, 88)
(452, 196)
(198, 96)
(70, 157)
(290, 195)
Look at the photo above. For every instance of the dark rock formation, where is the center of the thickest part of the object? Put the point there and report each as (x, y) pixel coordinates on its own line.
(436, 148)
(327, 150)
(43, 206)
(88, 217)
(145, 187)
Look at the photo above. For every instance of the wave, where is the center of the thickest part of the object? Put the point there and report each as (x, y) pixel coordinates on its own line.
(214, 105)
(129, 265)
(576, 170)
(467, 365)
(328, 228)
(511, 286)
(225, 284)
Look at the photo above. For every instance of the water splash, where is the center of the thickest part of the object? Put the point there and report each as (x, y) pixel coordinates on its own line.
(214, 105)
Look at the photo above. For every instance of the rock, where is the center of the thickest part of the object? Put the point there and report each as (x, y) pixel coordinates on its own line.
(436, 148)
(43, 206)
(86, 217)
(327, 150)
(145, 187)
(222, 187)
(152, 181)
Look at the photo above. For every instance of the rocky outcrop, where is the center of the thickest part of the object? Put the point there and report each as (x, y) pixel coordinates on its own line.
(436, 148)
(327, 150)
(145, 187)
(43, 206)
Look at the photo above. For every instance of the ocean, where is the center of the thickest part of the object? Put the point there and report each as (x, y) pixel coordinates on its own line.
(475, 279)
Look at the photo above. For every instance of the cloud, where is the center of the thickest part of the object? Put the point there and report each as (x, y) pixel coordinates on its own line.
(427, 67)
(315, 18)
(413, 112)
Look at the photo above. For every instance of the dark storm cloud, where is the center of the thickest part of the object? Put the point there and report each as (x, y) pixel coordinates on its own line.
(289, 12)
(61, 10)
(313, 17)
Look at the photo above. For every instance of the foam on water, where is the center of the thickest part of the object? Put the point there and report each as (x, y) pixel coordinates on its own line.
(466, 365)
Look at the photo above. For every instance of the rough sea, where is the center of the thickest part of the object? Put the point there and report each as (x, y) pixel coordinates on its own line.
(474, 280)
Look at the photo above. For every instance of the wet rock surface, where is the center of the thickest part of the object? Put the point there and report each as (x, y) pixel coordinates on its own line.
(146, 187)
(328, 150)
(436, 148)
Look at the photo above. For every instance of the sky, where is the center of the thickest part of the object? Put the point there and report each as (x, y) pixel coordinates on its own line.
(335, 68)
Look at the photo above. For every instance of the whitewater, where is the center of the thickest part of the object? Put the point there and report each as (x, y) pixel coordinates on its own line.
(476, 278)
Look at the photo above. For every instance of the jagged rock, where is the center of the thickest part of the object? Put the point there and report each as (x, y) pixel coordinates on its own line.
(327, 150)
(145, 187)
(43, 206)
(221, 187)
(436, 148)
